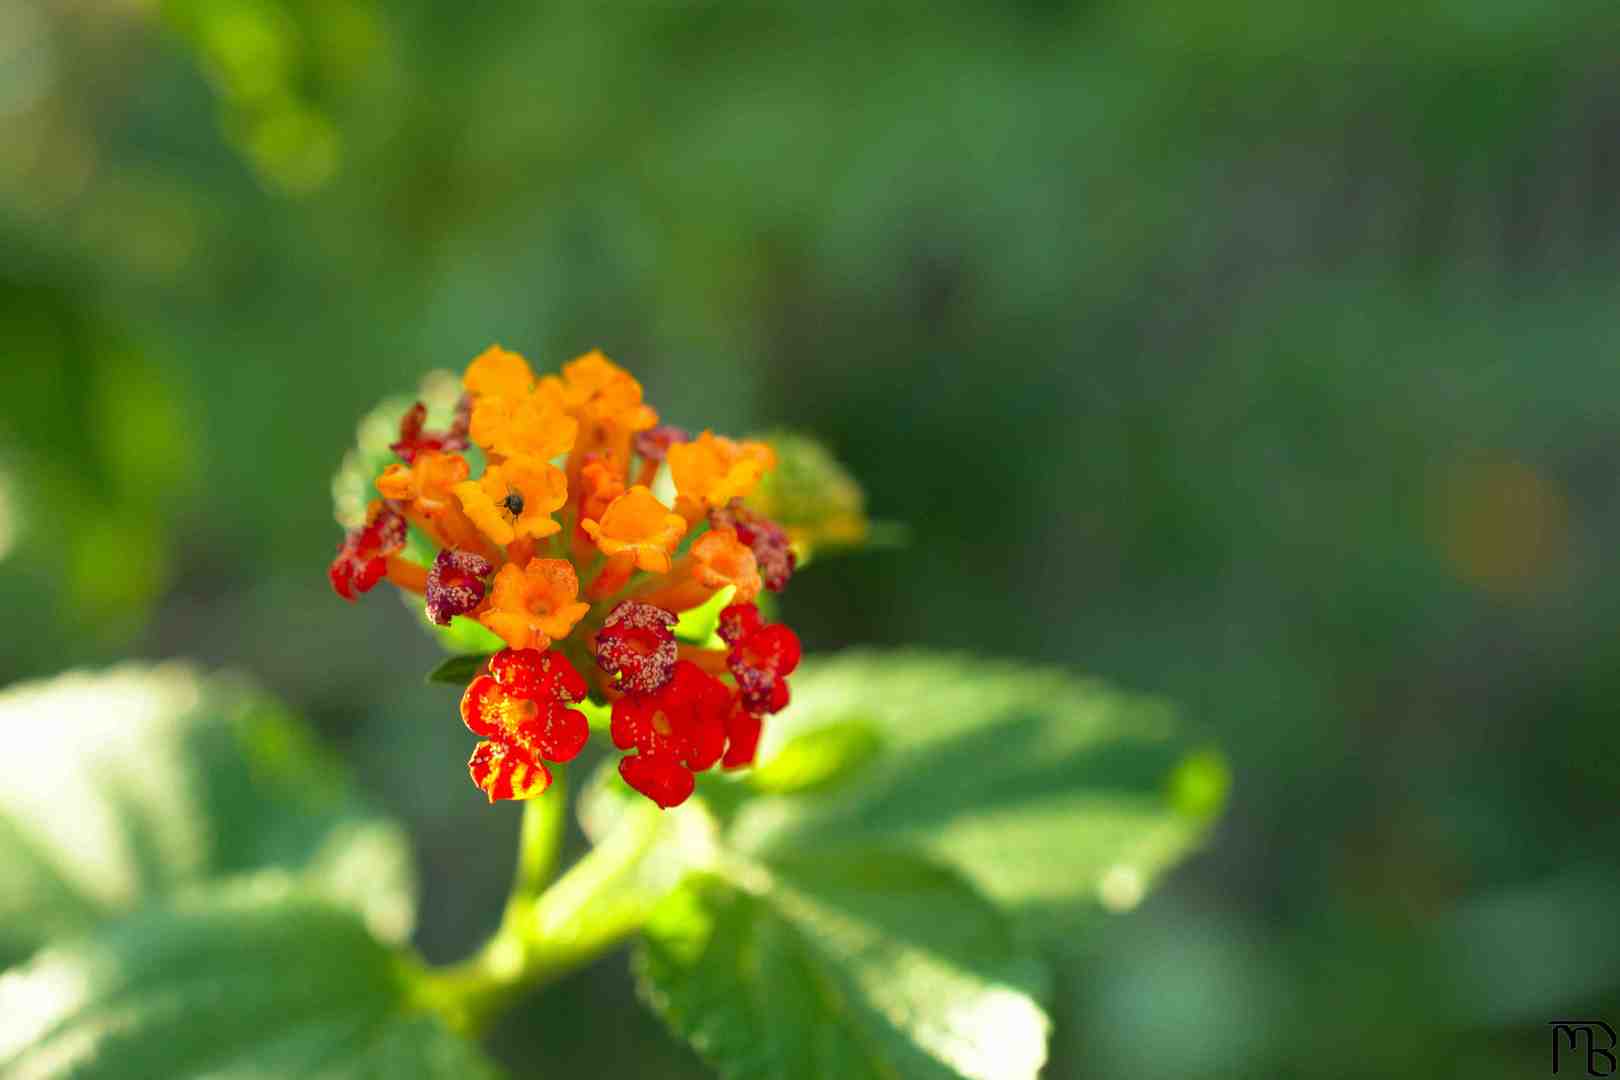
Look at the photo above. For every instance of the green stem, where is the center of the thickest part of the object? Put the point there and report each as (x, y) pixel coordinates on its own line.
(539, 843)
(544, 935)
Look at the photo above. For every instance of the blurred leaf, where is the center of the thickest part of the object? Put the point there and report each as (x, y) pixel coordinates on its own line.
(1052, 793)
(598, 715)
(246, 981)
(820, 966)
(122, 786)
(112, 597)
(459, 670)
(141, 414)
(812, 495)
(819, 758)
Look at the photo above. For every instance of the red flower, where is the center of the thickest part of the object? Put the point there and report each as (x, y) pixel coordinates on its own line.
(659, 777)
(762, 656)
(635, 643)
(413, 440)
(455, 585)
(536, 675)
(678, 729)
(362, 557)
(521, 709)
(742, 736)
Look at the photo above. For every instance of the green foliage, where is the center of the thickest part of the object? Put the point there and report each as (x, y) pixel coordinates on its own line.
(1161, 323)
(861, 964)
(869, 902)
(251, 979)
(459, 670)
(219, 901)
(825, 756)
(920, 820)
(1051, 793)
(121, 788)
(462, 636)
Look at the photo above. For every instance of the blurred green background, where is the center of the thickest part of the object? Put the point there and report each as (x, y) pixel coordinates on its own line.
(1255, 354)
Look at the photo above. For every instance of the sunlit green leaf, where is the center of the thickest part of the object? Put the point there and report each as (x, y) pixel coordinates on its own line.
(250, 980)
(462, 636)
(819, 758)
(831, 963)
(122, 786)
(1052, 793)
(698, 625)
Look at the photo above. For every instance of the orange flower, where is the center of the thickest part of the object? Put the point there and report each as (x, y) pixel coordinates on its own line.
(530, 607)
(533, 425)
(717, 559)
(515, 498)
(498, 373)
(511, 415)
(637, 523)
(712, 470)
(606, 400)
(425, 488)
(430, 477)
(596, 389)
(599, 485)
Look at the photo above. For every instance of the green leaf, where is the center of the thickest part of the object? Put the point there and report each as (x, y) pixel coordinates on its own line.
(463, 635)
(249, 980)
(698, 626)
(820, 758)
(136, 783)
(812, 495)
(459, 670)
(1052, 793)
(847, 964)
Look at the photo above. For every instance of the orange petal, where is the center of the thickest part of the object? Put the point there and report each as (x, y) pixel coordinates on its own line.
(636, 523)
(498, 373)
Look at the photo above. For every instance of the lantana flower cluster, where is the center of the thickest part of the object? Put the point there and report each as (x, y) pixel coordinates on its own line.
(560, 547)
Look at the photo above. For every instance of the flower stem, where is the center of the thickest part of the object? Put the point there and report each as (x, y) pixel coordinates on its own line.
(545, 933)
(539, 844)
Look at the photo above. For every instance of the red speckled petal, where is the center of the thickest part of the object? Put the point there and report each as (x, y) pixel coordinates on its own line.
(775, 647)
(559, 734)
(632, 722)
(738, 621)
(480, 703)
(521, 672)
